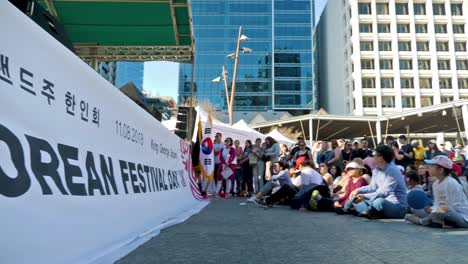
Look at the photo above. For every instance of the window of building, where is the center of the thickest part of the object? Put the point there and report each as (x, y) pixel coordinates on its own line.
(442, 46)
(385, 46)
(369, 101)
(427, 101)
(364, 8)
(420, 9)
(407, 102)
(440, 28)
(462, 65)
(446, 99)
(425, 83)
(367, 46)
(457, 9)
(386, 83)
(424, 64)
(443, 64)
(368, 82)
(386, 64)
(406, 83)
(401, 8)
(462, 83)
(382, 8)
(367, 64)
(365, 28)
(403, 28)
(404, 46)
(383, 28)
(421, 28)
(438, 9)
(458, 28)
(445, 83)
(406, 64)
(388, 101)
(422, 46)
(460, 46)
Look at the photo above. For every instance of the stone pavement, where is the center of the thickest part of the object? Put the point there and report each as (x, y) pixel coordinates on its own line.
(226, 232)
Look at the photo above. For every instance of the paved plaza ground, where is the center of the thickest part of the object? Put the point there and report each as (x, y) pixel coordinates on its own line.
(227, 232)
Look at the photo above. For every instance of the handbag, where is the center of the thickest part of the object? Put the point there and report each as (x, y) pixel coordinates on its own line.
(253, 160)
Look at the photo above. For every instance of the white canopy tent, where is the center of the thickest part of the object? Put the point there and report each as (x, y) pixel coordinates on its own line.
(281, 138)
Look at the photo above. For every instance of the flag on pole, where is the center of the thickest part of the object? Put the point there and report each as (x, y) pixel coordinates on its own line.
(205, 135)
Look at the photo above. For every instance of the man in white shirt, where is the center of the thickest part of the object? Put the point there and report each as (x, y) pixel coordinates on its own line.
(309, 175)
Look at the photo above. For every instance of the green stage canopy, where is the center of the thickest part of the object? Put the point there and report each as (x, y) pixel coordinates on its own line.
(132, 30)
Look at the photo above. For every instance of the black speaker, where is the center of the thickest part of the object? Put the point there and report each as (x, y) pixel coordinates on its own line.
(183, 119)
(45, 20)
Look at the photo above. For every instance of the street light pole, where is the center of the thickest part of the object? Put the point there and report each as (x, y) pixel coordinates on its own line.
(228, 101)
(233, 88)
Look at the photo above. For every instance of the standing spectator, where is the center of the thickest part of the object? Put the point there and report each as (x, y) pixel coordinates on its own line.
(346, 152)
(337, 158)
(389, 141)
(406, 155)
(418, 153)
(228, 159)
(238, 172)
(246, 185)
(284, 154)
(315, 151)
(270, 155)
(325, 154)
(366, 149)
(297, 147)
(443, 150)
(385, 197)
(302, 155)
(258, 169)
(432, 151)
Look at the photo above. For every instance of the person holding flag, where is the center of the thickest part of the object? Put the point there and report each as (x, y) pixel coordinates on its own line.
(206, 164)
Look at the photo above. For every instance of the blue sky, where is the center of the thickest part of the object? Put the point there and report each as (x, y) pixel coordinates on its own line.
(161, 77)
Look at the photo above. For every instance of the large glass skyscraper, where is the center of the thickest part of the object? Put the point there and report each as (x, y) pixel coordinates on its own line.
(130, 72)
(277, 75)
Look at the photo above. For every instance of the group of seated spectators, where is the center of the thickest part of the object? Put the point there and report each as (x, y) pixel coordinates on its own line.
(425, 186)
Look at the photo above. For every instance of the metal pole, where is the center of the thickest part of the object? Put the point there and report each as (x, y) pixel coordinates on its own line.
(318, 130)
(311, 131)
(372, 133)
(465, 122)
(192, 97)
(458, 125)
(228, 101)
(378, 130)
(236, 61)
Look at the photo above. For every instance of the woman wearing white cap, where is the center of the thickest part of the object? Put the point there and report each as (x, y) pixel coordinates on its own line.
(450, 202)
(355, 172)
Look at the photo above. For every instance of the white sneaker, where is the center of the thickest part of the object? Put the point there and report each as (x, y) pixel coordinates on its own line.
(251, 199)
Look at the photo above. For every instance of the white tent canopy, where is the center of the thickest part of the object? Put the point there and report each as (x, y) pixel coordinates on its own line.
(239, 131)
(281, 138)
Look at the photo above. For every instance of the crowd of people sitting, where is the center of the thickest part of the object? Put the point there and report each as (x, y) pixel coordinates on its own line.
(424, 185)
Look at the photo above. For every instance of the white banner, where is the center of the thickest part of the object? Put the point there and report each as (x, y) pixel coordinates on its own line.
(86, 175)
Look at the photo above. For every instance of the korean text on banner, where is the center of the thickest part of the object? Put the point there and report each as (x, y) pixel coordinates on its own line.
(86, 175)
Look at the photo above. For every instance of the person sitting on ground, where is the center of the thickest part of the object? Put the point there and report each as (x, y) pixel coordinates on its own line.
(413, 181)
(279, 178)
(295, 177)
(450, 203)
(327, 177)
(385, 196)
(366, 170)
(309, 179)
(355, 181)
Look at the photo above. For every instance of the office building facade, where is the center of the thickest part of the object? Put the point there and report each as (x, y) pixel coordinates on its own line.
(382, 56)
(130, 72)
(277, 75)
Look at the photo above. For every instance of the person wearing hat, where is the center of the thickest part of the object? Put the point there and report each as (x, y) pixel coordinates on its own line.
(432, 151)
(406, 155)
(385, 196)
(450, 202)
(355, 181)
